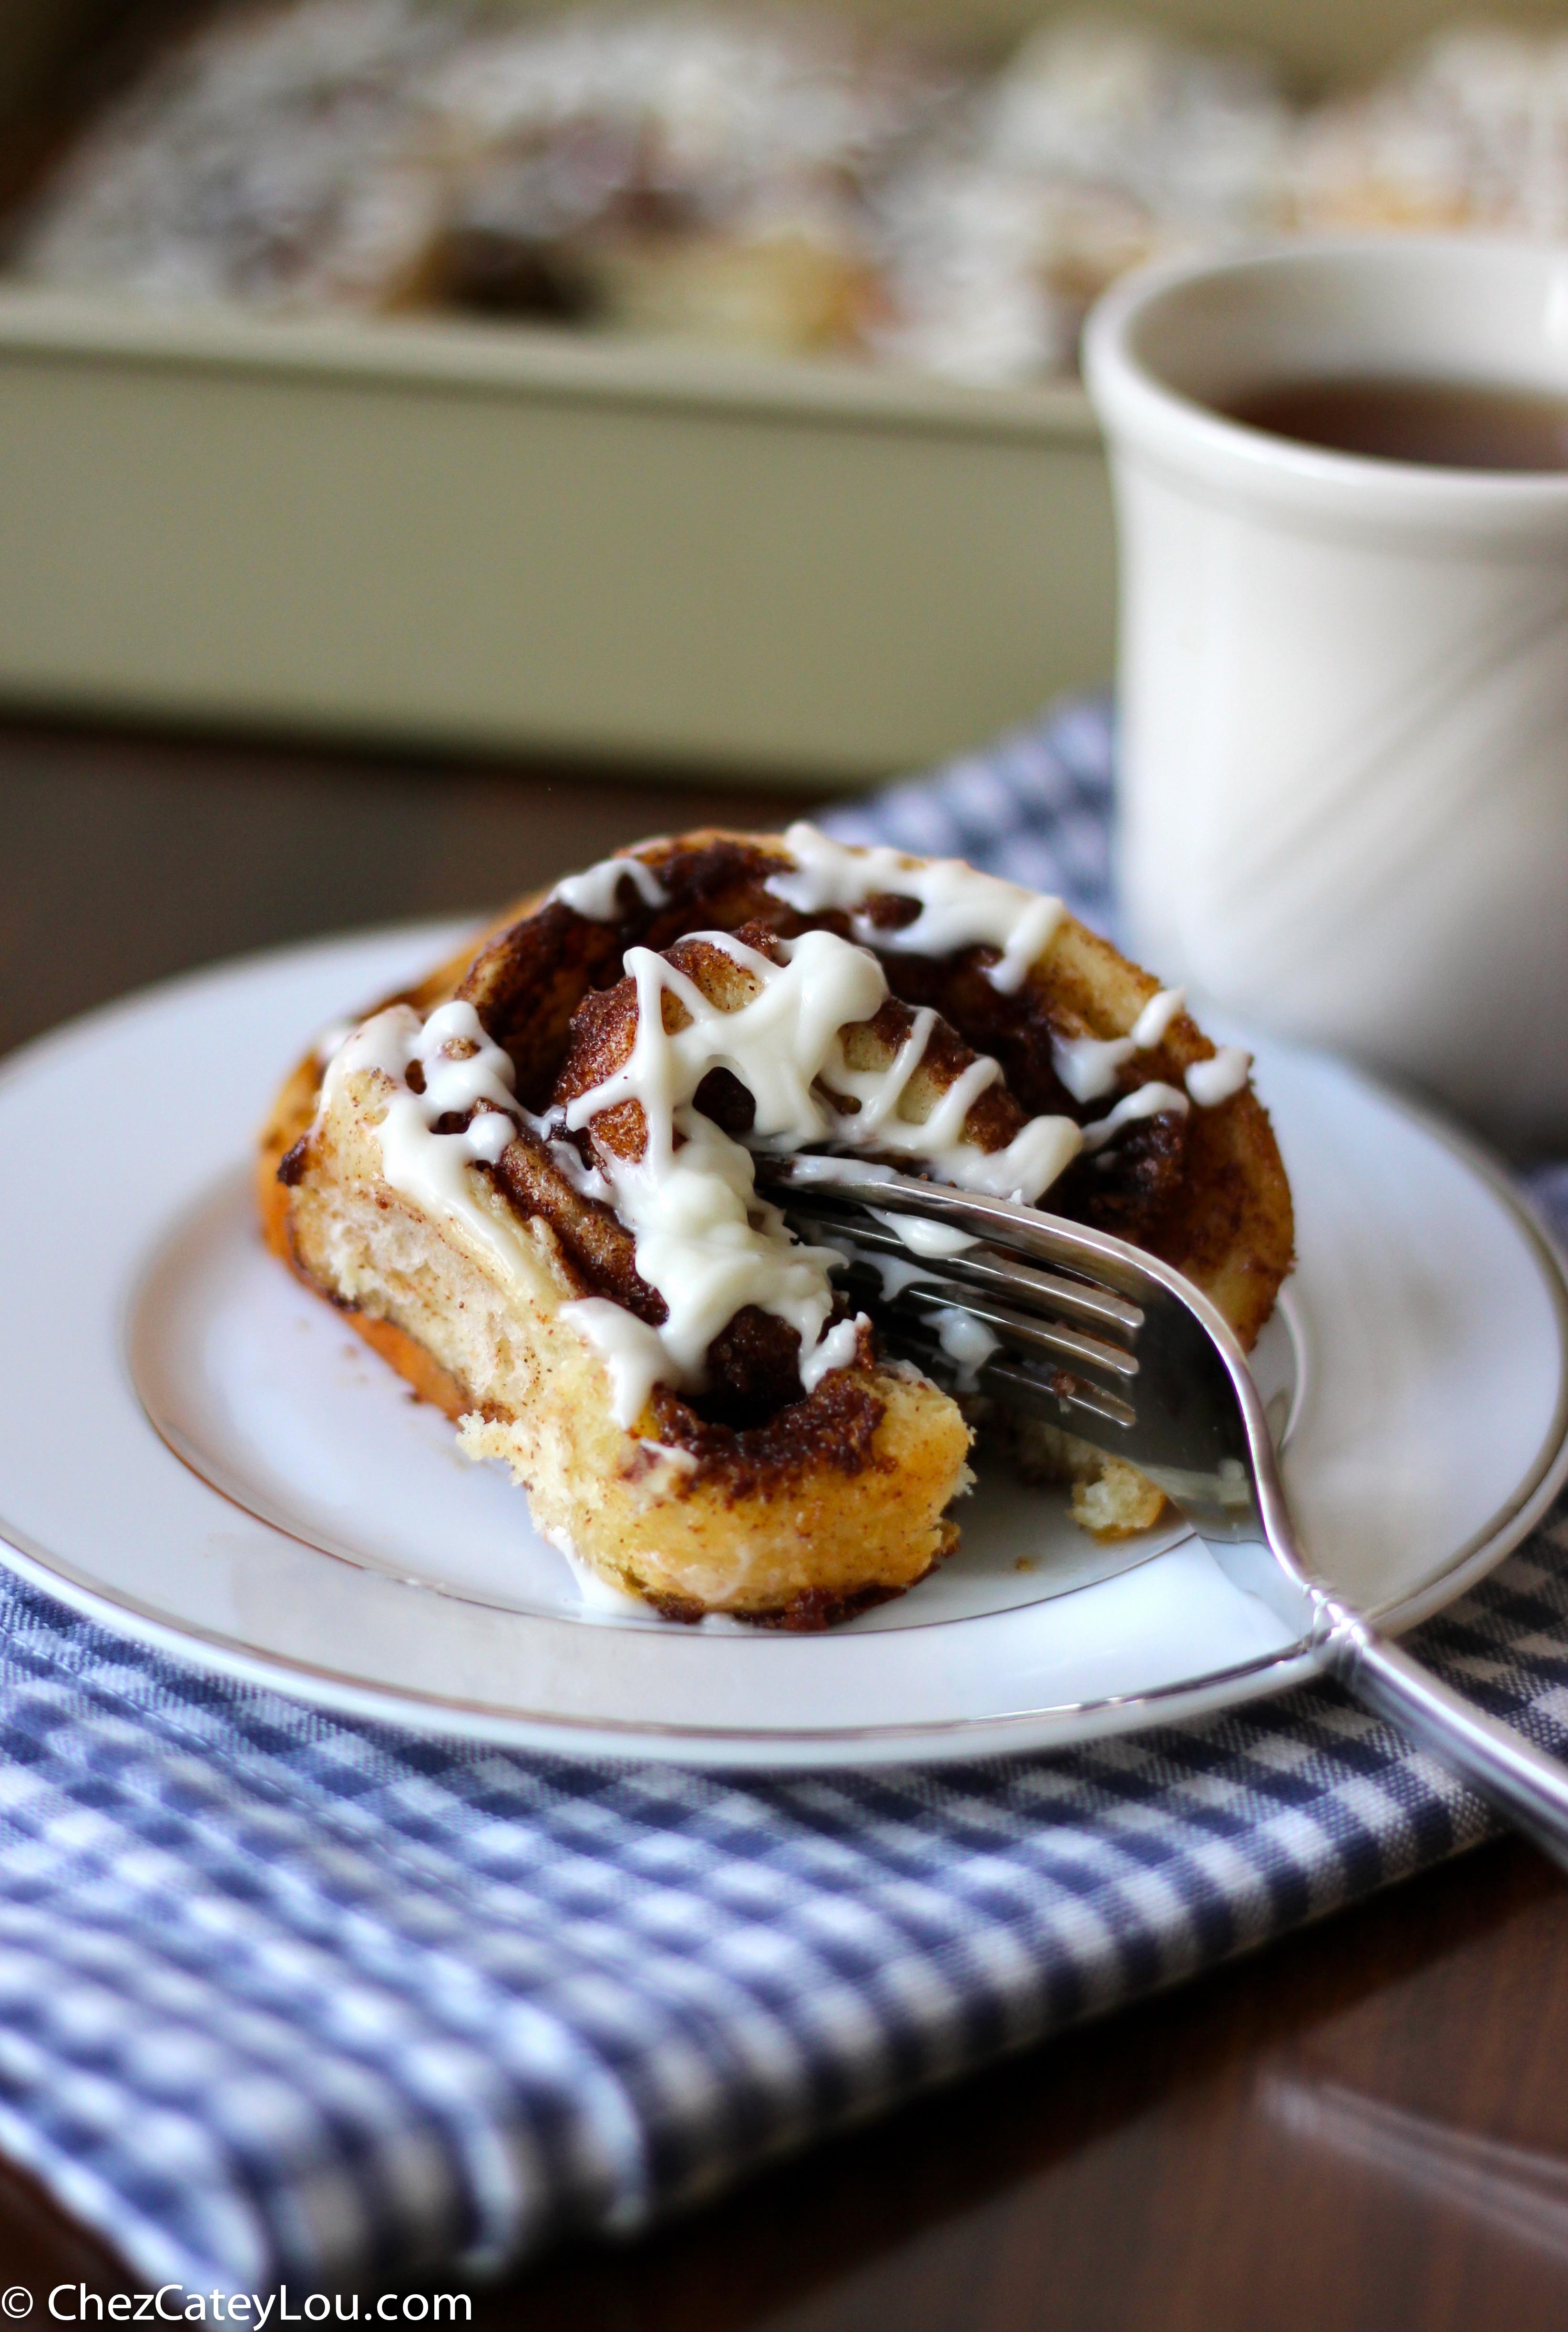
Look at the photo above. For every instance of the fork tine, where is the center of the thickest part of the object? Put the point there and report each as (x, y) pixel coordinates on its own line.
(1052, 1394)
(1066, 1343)
(1021, 1230)
(1038, 1334)
(1105, 1276)
(1090, 1306)
(1016, 1389)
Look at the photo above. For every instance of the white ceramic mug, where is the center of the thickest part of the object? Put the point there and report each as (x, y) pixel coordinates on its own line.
(1343, 683)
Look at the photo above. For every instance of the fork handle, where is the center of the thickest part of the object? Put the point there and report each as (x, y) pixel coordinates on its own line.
(1526, 1786)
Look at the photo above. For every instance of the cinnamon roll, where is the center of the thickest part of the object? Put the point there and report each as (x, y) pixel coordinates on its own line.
(530, 1183)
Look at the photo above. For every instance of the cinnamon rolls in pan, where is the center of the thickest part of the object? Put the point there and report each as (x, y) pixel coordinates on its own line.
(530, 1183)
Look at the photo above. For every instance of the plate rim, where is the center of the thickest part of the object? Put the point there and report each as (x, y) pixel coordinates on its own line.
(1056, 1725)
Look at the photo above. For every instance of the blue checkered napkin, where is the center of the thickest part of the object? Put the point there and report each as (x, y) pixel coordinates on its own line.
(283, 1998)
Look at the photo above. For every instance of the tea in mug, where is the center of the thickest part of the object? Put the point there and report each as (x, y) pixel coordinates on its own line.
(1454, 425)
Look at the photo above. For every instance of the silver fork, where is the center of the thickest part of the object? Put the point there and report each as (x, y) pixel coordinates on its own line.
(1121, 1350)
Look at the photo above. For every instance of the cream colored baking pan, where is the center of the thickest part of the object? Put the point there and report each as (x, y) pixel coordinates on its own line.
(507, 539)
(503, 539)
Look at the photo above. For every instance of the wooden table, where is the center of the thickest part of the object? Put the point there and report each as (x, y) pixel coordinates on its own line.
(1363, 2129)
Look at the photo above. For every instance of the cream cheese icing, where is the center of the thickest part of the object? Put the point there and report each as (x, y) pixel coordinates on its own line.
(596, 891)
(968, 1342)
(703, 1238)
(633, 1353)
(1089, 1066)
(461, 1070)
(895, 1272)
(1211, 1082)
(1153, 1023)
(923, 1238)
(959, 906)
(1148, 1101)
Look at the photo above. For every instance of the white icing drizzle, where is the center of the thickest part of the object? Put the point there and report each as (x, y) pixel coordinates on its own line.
(703, 1239)
(633, 1353)
(1031, 1161)
(923, 1238)
(966, 1340)
(596, 891)
(433, 1168)
(879, 1091)
(1211, 1082)
(895, 1271)
(777, 1043)
(1150, 1027)
(816, 1166)
(959, 907)
(1088, 1066)
(1148, 1101)
(586, 1181)
(1041, 1150)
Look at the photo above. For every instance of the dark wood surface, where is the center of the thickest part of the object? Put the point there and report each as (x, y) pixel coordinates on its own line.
(1363, 2129)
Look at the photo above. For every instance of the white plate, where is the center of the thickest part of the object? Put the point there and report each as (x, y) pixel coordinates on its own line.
(296, 1519)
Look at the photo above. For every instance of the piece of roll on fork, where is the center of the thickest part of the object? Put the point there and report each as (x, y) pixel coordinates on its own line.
(530, 1183)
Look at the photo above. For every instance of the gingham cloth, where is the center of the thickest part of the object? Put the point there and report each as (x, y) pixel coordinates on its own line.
(288, 1999)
